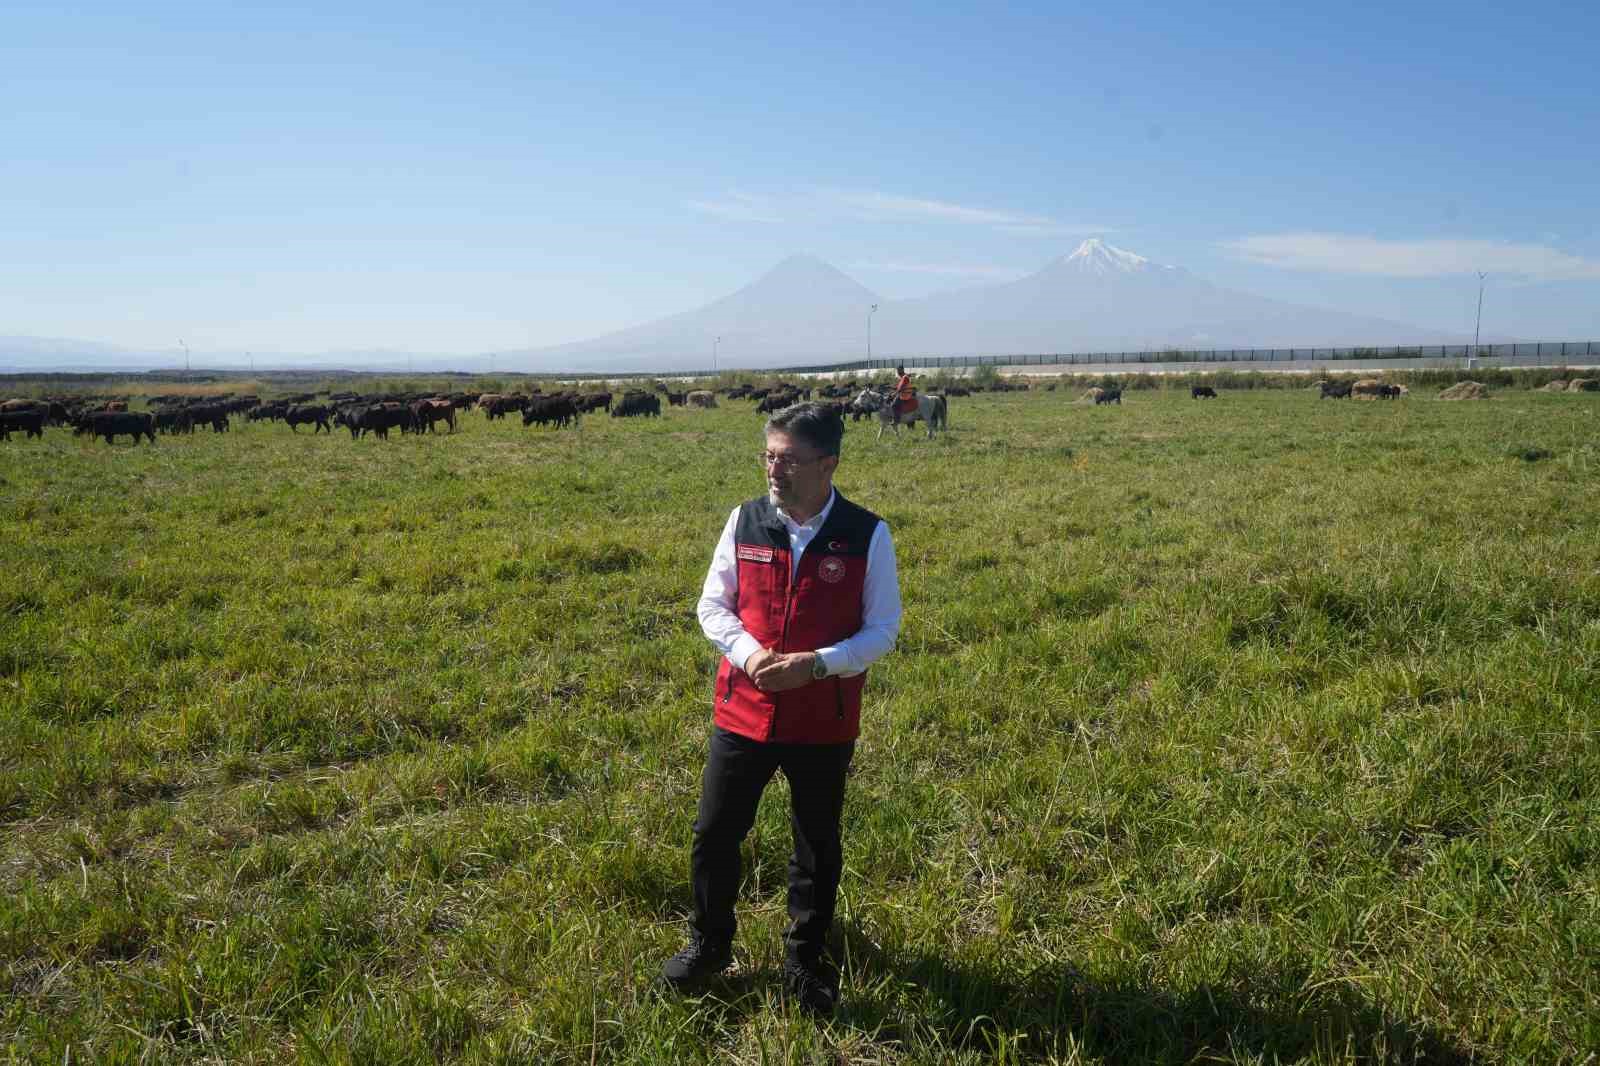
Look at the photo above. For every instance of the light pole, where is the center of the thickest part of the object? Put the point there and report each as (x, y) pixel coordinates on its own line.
(714, 354)
(869, 331)
(185, 355)
(1479, 324)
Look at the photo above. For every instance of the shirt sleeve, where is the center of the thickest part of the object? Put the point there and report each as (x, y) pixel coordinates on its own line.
(880, 612)
(719, 601)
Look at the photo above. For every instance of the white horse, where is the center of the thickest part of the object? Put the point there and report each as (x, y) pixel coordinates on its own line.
(930, 409)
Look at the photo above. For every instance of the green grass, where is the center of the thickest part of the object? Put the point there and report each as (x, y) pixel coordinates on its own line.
(1254, 730)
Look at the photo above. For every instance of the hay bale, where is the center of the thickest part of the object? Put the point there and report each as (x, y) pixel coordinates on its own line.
(1465, 390)
(1584, 385)
(1367, 389)
(1554, 386)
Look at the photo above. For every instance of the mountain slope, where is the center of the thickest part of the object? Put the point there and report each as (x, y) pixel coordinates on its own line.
(802, 309)
(1098, 298)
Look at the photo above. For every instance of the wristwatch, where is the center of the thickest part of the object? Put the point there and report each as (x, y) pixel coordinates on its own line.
(819, 669)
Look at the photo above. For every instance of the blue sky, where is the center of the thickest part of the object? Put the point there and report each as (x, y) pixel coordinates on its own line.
(418, 176)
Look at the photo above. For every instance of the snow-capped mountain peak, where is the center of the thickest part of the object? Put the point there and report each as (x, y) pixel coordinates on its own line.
(1097, 257)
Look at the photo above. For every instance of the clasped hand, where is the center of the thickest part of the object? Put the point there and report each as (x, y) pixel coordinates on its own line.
(778, 673)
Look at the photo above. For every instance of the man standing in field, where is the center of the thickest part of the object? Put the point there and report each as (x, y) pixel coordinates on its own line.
(801, 597)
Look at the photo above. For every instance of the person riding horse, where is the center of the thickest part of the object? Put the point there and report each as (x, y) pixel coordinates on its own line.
(905, 392)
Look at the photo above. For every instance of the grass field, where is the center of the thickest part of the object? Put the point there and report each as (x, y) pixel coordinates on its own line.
(1254, 730)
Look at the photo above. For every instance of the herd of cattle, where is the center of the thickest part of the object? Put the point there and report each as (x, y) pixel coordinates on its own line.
(110, 417)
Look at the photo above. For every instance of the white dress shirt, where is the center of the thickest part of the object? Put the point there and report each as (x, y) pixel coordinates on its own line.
(880, 604)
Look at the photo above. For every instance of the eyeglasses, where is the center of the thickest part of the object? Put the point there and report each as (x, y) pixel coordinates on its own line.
(775, 461)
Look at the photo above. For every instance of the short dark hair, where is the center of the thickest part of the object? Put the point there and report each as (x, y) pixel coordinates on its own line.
(818, 424)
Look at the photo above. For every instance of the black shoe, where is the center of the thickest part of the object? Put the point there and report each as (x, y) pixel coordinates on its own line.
(815, 986)
(695, 963)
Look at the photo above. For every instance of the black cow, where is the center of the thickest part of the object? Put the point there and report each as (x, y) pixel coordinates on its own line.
(557, 409)
(637, 403)
(501, 405)
(1202, 392)
(676, 399)
(777, 401)
(213, 414)
(383, 417)
(29, 419)
(1334, 390)
(111, 424)
(1109, 396)
(314, 414)
(599, 401)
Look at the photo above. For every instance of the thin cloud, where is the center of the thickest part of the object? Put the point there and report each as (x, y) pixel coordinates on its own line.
(739, 207)
(1344, 254)
(878, 206)
(859, 205)
(948, 270)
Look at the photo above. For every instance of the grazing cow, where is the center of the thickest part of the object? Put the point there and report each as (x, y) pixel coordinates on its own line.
(314, 414)
(675, 399)
(1334, 390)
(29, 419)
(1202, 392)
(1109, 396)
(557, 409)
(599, 401)
(213, 414)
(111, 424)
(268, 412)
(637, 403)
(501, 405)
(702, 398)
(1367, 388)
(383, 417)
(1389, 392)
(427, 412)
(777, 401)
(173, 420)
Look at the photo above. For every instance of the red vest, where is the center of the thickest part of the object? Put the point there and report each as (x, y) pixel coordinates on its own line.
(820, 607)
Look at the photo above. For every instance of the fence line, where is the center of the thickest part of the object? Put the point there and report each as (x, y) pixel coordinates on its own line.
(1559, 351)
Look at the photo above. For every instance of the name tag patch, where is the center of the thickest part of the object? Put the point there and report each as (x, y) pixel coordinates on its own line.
(755, 553)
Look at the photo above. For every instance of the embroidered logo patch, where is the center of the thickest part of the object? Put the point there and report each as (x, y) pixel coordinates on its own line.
(755, 553)
(831, 570)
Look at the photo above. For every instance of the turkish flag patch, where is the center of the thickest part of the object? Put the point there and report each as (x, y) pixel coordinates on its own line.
(755, 553)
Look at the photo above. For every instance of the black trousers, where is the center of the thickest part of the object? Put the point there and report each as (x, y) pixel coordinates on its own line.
(737, 772)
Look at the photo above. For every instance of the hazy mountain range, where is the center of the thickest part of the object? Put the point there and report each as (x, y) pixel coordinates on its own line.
(1099, 298)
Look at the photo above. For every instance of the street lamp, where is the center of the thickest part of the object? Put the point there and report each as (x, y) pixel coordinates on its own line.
(869, 331)
(1479, 325)
(714, 354)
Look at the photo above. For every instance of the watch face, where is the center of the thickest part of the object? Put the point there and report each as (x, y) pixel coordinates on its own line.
(819, 669)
